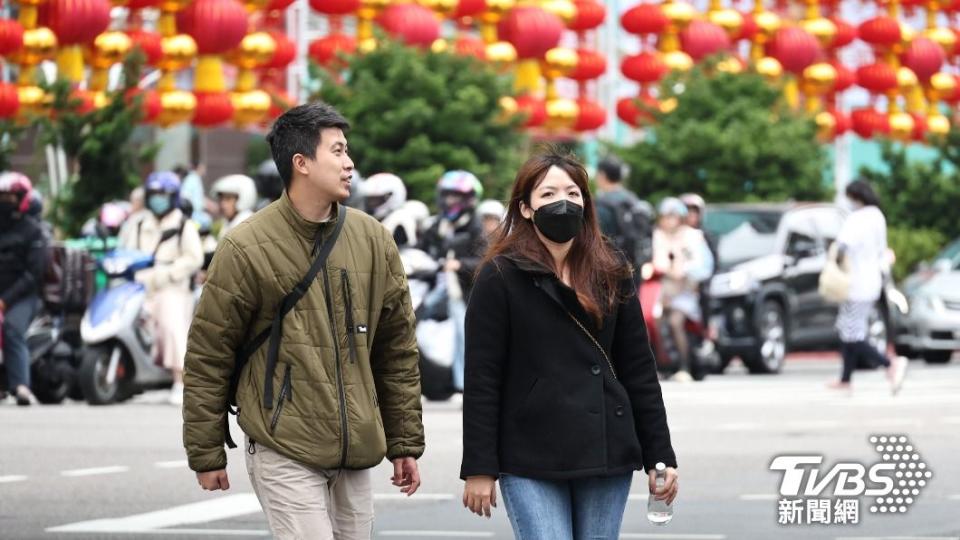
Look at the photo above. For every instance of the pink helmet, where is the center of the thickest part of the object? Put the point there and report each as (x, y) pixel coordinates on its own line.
(113, 214)
(18, 184)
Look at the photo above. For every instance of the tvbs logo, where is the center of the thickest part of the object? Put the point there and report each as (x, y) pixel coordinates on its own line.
(894, 482)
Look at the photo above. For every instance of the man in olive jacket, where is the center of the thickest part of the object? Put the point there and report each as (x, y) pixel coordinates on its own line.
(345, 385)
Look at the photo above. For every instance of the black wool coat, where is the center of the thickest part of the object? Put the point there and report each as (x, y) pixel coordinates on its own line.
(540, 399)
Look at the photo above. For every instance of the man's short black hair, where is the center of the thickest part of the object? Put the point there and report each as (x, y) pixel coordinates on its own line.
(862, 192)
(181, 171)
(612, 168)
(297, 131)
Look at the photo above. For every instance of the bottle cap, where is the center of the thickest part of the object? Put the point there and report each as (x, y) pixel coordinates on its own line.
(661, 467)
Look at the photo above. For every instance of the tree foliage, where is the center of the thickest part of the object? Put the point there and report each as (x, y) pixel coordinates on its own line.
(730, 138)
(103, 163)
(418, 114)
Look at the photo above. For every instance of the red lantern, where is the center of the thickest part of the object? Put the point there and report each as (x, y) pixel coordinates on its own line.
(75, 22)
(280, 102)
(645, 68)
(919, 127)
(467, 45)
(868, 122)
(637, 110)
(590, 65)
(878, 77)
(278, 5)
(216, 25)
(9, 100)
(952, 97)
(84, 100)
(845, 76)
(645, 19)
(535, 110)
(149, 43)
(414, 24)
(701, 39)
(846, 33)
(151, 107)
(795, 49)
(141, 4)
(592, 116)
(841, 120)
(531, 30)
(285, 52)
(325, 51)
(748, 29)
(882, 31)
(213, 109)
(335, 7)
(469, 8)
(925, 57)
(11, 36)
(590, 14)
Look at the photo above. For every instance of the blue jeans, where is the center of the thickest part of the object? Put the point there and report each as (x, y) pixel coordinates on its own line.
(458, 314)
(16, 354)
(581, 509)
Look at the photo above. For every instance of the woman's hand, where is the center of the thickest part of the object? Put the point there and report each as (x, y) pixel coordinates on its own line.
(668, 491)
(479, 494)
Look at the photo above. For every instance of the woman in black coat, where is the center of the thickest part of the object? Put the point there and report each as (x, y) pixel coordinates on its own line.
(562, 401)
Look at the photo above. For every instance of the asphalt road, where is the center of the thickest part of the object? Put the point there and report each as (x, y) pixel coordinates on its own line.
(79, 472)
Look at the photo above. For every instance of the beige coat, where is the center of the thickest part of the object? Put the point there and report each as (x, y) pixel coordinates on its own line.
(177, 259)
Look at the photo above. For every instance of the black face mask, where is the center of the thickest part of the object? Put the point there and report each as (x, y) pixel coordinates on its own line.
(559, 221)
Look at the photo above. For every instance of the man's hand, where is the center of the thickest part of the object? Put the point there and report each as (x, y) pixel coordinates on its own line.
(668, 491)
(479, 494)
(214, 480)
(406, 475)
(452, 265)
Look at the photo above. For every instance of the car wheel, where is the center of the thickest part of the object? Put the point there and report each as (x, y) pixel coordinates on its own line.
(937, 357)
(770, 356)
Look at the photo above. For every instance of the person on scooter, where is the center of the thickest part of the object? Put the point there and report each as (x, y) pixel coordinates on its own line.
(491, 214)
(696, 209)
(457, 238)
(679, 257)
(383, 196)
(176, 259)
(22, 261)
(236, 196)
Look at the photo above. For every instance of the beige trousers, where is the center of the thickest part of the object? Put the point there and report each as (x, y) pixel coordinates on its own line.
(172, 310)
(305, 503)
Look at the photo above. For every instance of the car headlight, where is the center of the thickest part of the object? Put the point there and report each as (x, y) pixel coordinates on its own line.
(929, 302)
(732, 284)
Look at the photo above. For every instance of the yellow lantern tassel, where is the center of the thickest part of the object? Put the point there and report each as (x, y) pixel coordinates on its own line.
(28, 76)
(209, 74)
(527, 77)
(99, 80)
(168, 24)
(814, 104)
(168, 82)
(364, 28)
(791, 92)
(70, 64)
(246, 81)
(488, 31)
(28, 16)
(915, 101)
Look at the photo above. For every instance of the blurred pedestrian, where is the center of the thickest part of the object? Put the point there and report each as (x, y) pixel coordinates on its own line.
(624, 218)
(562, 402)
(176, 259)
(236, 197)
(22, 263)
(862, 248)
(491, 214)
(329, 393)
(696, 210)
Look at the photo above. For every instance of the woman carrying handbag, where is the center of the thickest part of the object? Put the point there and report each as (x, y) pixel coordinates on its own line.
(562, 401)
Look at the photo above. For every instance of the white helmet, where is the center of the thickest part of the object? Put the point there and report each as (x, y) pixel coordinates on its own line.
(491, 208)
(410, 218)
(383, 193)
(240, 185)
(692, 200)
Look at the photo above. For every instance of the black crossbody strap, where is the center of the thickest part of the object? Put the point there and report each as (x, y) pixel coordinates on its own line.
(276, 328)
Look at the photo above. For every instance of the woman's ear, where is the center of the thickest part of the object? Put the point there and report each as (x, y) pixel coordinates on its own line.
(525, 210)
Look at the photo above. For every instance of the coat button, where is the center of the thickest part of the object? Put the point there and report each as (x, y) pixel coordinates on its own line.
(595, 370)
(619, 411)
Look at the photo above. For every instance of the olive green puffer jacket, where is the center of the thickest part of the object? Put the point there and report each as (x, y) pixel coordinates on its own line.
(346, 385)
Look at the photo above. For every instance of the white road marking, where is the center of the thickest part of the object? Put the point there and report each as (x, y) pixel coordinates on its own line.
(896, 538)
(96, 470)
(9, 479)
(955, 497)
(210, 532)
(951, 420)
(414, 498)
(182, 464)
(188, 514)
(740, 426)
(437, 534)
(759, 497)
(654, 536)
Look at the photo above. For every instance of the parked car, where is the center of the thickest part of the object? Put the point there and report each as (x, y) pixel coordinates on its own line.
(764, 296)
(931, 327)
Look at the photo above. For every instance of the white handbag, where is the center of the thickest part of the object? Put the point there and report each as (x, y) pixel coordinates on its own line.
(835, 278)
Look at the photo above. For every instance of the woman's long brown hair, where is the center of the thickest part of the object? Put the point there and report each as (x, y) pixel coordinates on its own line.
(595, 270)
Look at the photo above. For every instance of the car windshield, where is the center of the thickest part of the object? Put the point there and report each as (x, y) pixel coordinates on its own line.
(742, 234)
(951, 253)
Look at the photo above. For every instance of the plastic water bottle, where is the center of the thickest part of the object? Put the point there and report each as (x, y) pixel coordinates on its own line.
(658, 511)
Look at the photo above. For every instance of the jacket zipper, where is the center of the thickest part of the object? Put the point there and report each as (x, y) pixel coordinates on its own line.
(286, 391)
(348, 303)
(336, 350)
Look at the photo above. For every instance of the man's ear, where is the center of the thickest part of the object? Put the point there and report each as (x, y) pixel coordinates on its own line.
(300, 164)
